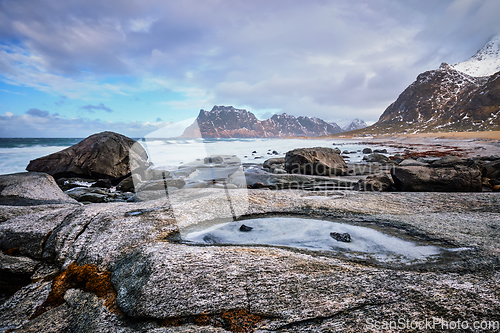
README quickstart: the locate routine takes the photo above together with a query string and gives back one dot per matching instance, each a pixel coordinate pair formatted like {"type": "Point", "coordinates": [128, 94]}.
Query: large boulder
{"type": "Point", "coordinates": [376, 157]}
{"type": "Point", "coordinates": [379, 182]}
{"type": "Point", "coordinates": [492, 169]}
{"type": "Point", "coordinates": [315, 161]}
{"type": "Point", "coordinates": [459, 178]}
{"type": "Point", "coordinates": [103, 155]}
{"type": "Point", "coordinates": [31, 188]}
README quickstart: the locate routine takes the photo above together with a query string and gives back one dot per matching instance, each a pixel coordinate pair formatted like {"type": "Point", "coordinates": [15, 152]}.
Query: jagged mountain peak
{"type": "Point", "coordinates": [485, 62]}
{"type": "Point", "coordinates": [229, 122]}
{"type": "Point", "coordinates": [444, 100]}
{"type": "Point", "coordinates": [355, 125]}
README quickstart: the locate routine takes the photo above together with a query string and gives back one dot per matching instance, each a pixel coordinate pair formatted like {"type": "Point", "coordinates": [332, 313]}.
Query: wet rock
{"type": "Point", "coordinates": [378, 182]}
{"type": "Point", "coordinates": [87, 194]}
{"type": "Point", "coordinates": [156, 185]}
{"type": "Point", "coordinates": [275, 152]}
{"type": "Point", "coordinates": [448, 161]}
{"type": "Point", "coordinates": [337, 151]}
{"type": "Point", "coordinates": [31, 188]}
{"type": "Point", "coordinates": [103, 183]}
{"type": "Point", "coordinates": [437, 179]}
{"type": "Point", "coordinates": [367, 151]}
{"type": "Point", "coordinates": [491, 169]}
{"type": "Point", "coordinates": [315, 161]}
{"type": "Point", "coordinates": [376, 157]}
{"type": "Point", "coordinates": [346, 152]}
{"type": "Point", "coordinates": [93, 198]}
{"type": "Point", "coordinates": [69, 183]}
{"type": "Point", "coordinates": [126, 185]}
{"type": "Point", "coordinates": [412, 162]}
{"type": "Point", "coordinates": [272, 161]}
{"type": "Point", "coordinates": [296, 181]}
{"type": "Point", "coordinates": [245, 228]}
{"type": "Point", "coordinates": [341, 237]}
{"type": "Point", "coordinates": [380, 151]}
{"type": "Point", "coordinates": [257, 185]}
{"type": "Point", "coordinates": [102, 155]}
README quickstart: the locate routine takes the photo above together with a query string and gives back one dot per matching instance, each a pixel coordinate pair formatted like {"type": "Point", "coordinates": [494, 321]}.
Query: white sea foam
{"type": "Point", "coordinates": [177, 152]}
{"type": "Point", "coordinates": [174, 152]}
{"type": "Point", "coordinates": [13, 160]}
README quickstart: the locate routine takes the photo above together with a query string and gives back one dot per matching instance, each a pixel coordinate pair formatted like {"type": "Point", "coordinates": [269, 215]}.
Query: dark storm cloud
{"type": "Point", "coordinates": [92, 108]}
{"type": "Point", "coordinates": [318, 58]}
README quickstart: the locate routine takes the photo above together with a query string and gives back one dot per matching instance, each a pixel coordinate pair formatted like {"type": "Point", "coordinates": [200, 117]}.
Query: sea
{"type": "Point", "coordinates": [16, 153]}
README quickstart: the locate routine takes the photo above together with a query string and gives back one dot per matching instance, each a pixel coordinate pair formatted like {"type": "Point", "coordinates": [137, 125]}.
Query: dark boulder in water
{"type": "Point", "coordinates": [105, 155]}
{"type": "Point", "coordinates": [245, 228]}
{"type": "Point", "coordinates": [341, 237]}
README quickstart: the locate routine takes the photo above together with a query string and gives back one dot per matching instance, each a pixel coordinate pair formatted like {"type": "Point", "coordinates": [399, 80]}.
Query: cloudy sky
{"type": "Point", "coordinates": [73, 68]}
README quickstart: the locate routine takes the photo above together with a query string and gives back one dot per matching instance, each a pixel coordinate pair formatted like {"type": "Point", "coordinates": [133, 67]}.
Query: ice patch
{"type": "Point", "coordinates": [314, 235]}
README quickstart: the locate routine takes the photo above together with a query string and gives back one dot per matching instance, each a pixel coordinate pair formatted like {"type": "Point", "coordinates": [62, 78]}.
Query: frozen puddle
{"type": "Point", "coordinates": [309, 234]}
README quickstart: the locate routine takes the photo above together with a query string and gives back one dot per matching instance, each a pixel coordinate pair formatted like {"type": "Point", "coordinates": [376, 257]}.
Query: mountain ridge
{"type": "Point", "coordinates": [229, 122]}
{"type": "Point", "coordinates": [453, 98]}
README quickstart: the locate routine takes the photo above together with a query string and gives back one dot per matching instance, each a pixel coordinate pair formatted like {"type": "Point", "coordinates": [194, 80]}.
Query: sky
{"type": "Point", "coordinates": [74, 68]}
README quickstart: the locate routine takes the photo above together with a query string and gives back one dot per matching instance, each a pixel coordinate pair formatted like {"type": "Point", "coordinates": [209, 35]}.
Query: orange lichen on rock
{"type": "Point", "coordinates": [240, 320]}
{"type": "Point", "coordinates": [87, 278]}
{"type": "Point", "coordinates": [235, 320]}
{"type": "Point", "coordinates": [12, 252]}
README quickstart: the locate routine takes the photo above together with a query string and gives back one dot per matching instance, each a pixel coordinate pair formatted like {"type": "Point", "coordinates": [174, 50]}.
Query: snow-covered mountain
{"type": "Point", "coordinates": [485, 62]}
{"type": "Point", "coordinates": [444, 100]}
{"type": "Point", "coordinates": [229, 122]}
{"type": "Point", "coordinates": [356, 124]}
{"type": "Point", "coordinates": [463, 97]}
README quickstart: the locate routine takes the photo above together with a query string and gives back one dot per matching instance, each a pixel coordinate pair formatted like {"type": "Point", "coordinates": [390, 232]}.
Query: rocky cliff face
{"type": "Point", "coordinates": [228, 122]}
{"type": "Point", "coordinates": [444, 100]}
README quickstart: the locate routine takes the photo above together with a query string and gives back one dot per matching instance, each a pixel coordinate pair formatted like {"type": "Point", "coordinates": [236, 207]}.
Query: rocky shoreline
{"type": "Point", "coordinates": [125, 266]}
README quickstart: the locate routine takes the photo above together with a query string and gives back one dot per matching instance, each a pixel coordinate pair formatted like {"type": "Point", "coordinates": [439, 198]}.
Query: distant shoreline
{"type": "Point", "coordinates": [484, 135]}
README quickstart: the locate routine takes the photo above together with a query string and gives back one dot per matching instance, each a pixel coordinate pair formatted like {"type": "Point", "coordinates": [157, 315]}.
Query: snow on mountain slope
{"type": "Point", "coordinates": [485, 62]}
{"type": "Point", "coordinates": [355, 125]}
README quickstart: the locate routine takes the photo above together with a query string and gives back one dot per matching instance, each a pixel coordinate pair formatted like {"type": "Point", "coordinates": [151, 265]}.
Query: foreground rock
{"type": "Point", "coordinates": [378, 182]}
{"type": "Point", "coordinates": [315, 161]}
{"type": "Point", "coordinates": [103, 155]}
{"type": "Point", "coordinates": [31, 188]}
{"type": "Point", "coordinates": [459, 178]}
{"type": "Point", "coordinates": [123, 267]}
